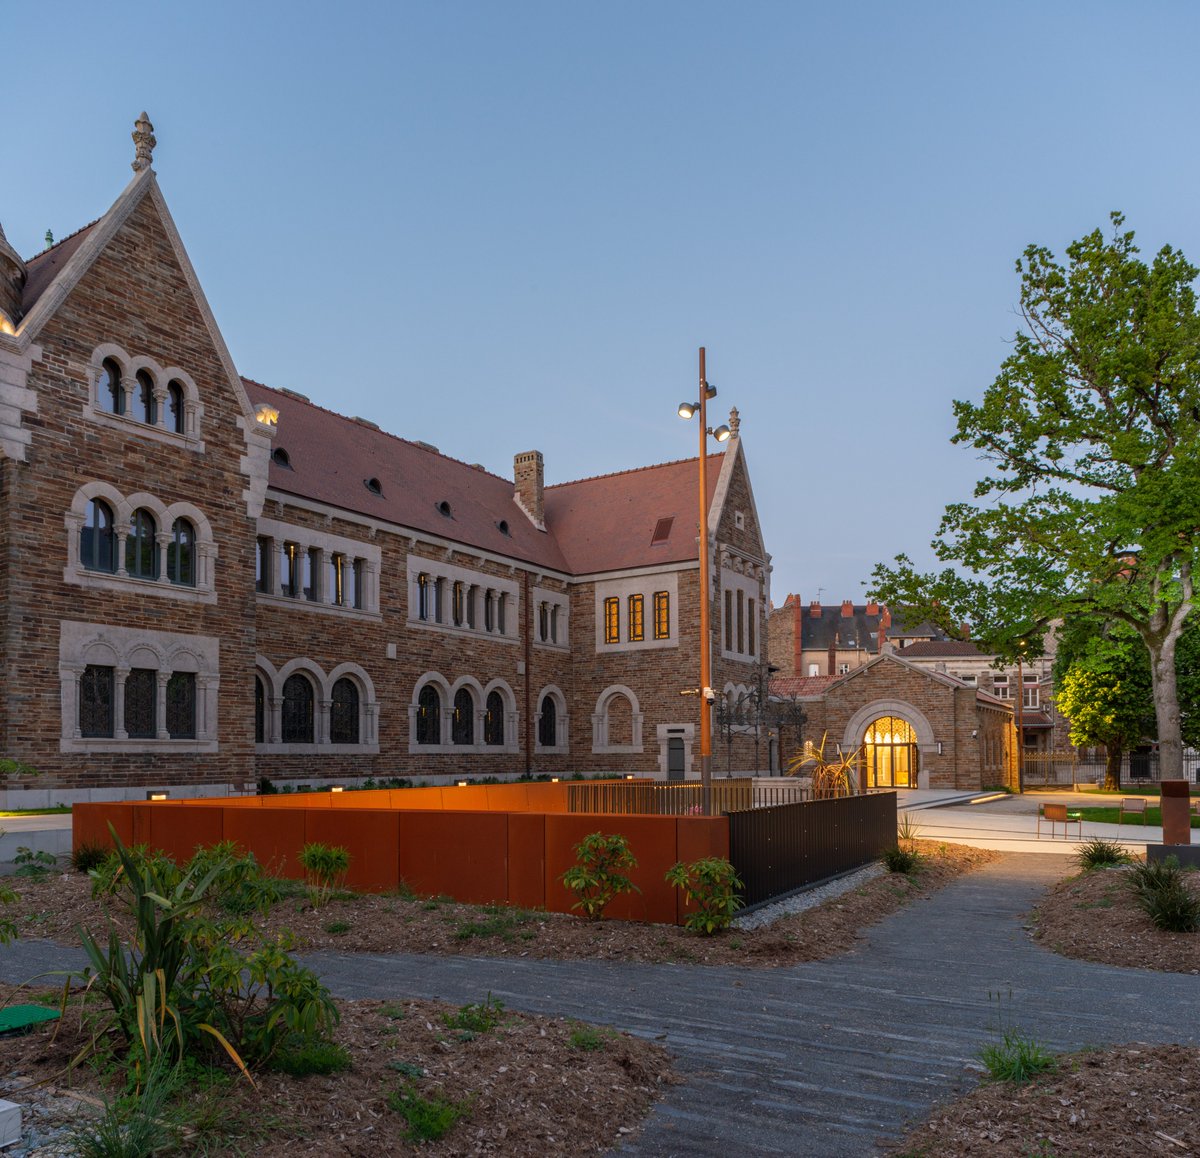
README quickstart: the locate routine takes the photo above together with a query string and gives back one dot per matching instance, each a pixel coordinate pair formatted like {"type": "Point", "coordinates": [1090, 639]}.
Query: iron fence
{"type": "Point", "coordinates": [1044, 769]}
{"type": "Point", "coordinates": [656, 799]}
{"type": "Point", "coordinates": [783, 848]}
{"type": "Point", "coordinates": [781, 792]}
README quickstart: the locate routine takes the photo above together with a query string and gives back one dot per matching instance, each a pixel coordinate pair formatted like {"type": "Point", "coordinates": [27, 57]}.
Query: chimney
{"type": "Point", "coordinates": [847, 609]}
{"type": "Point", "coordinates": [12, 283]}
{"type": "Point", "coordinates": [814, 610]}
{"type": "Point", "coordinates": [872, 608]}
{"type": "Point", "coordinates": [797, 635]}
{"type": "Point", "coordinates": [528, 475]}
{"type": "Point", "coordinates": [833, 659]}
{"type": "Point", "coordinates": [886, 621]}
{"type": "Point", "coordinates": [966, 631]}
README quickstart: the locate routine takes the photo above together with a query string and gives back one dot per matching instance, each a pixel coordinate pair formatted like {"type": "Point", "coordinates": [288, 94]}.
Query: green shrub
{"type": "Point", "coordinates": [587, 1038]}
{"type": "Point", "coordinates": [87, 857]}
{"type": "Point", "coordinates": [325, 867]}
{"type": "Point", "coordinates": [8, 928]}
{"type": "Point", "coordinates": [1153, 875]}
{"type": "Point", "coordinates": [1016, 1058]}
{"type": "Point", "coordinates": [1163, 897]}
{"type": "Point", "coordinates": [1097, 854]}
{"type": "Point", "coordinates": [428, 1118]}
{"type": "Point", "coordinates": [337, 928]}
{"type": "Point", "coordinates": [598, 874]}
{"type": "Point", "coordinates": [33, 864]}
{"type": "Point", "coordinates": [477, 1017]}
{"type": "Point", "coordinates": [900, 860]}
{"type": "Point", "coordinates": [301, 1056]}
{"type": "Point", "coordinates": [712, 885]}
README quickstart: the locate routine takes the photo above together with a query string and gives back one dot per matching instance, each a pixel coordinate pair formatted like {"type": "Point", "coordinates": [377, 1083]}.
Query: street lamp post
{"type": "Point", "coordinates": [707, 695]}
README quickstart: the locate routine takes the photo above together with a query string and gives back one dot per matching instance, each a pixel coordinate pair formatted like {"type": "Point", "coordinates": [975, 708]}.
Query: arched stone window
{"type": "Point", "coordinates": [429, 716]}
{"type": "Point", "coordinates": [297, 724]}
{"type": "Point", "coordinates": [493, 719]}
{"type": "Point", "coordinates": [96, 545]}
{"type": "Point", "coordinates": [174, 416]}
{"type": "Point", "coordinates": [181, 554]}
{"type": "Point", "coordinates": [343, 713]}
{"type": "Point", "coordinates": [617, 721]}
{"type": "Point", "coordinates": [260, 711]}
{"type": "Point", "coordinates": [96, 701]}
{"type": "Point", "coordinates": [890, 753]}
{"type": "Point", "coordinates": [141, 546]}
{"type": "Point", "coordinates": [110, 395]}
{"type": "Point", "coordinates": [462, 726]}
{"type": "Point", "coordinates": [547, 722]}
{"type": "Point", "coordinates": [146, 406]}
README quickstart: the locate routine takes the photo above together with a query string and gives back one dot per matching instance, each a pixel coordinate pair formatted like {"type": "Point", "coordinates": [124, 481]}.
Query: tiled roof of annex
{"type": "Point", "coordinates": [943, 649]}
{"type": "Point", "coordinates": [596, 524]}
{"type": "Point", "coordinates": [799, 687]}
{"type": "Point", "coordinates": [44, 267]}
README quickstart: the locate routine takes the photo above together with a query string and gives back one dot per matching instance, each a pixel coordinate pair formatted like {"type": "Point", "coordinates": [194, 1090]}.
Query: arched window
{"type": "Point", "coordinates": [260, 711]}
{"type": "Point", "coordinates": [547, 723]}
{"type": "Point", "coordinates": [429, 716]}
{"type": "Point", "coordinates": [493, 719]}
{"type": "Point", "coordinates": [147, 406]}
{"type": "Point", "coordinates": [96, 701]}
{"type": "Point", "coordinates": [110, 395]}
{"type": "Point", "coordinates": [297, 710]}
{"type": "Point", "coordinates": [174, 408]}
{"type": "Point", "coordinates": [462, 725]}
{"type": "Point", "coordinates": [181, 705]}
{"type": "Point", "coordinates": [343, 713]}
{"type": "Point", "coordinates": [890, 753]}
{"type": "Point", "coordinates": [141, 704]}
{"type": "Point", "coordinates": [181, 554]}
{"type": "Point", "coordinates": [96, 539]}
{"type": "Point", "coordinates": [141, 549]}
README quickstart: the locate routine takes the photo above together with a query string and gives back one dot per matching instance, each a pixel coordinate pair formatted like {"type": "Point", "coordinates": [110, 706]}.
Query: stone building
{"type": "Point", "coordinates": [207, 580]}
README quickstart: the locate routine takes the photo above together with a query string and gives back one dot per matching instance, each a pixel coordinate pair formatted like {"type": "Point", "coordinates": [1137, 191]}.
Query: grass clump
{"type": "Point", "coordinates": [1163, 897]}
{"type": "Point", "coordinates": [900, 860]}
{"type": "Point", "coordinates": [300, 1056]}
{"type": "Point", "coordinates": [477, 1017]}
{"type": "Point", "coordinates": [428, 1118]}
{"type": "Point", "coordinates": [1016, 1057]}
{"type": "Point", "coordinates": [1098, 854]}
{"type": "Point", "coordinates": [87, 857]}
{"type": "Point", "coordinates": [494, 921]}
{"type": "Point", "coordinates": [338, 928]}
{"type": "Point", "coordinates": [587, 1037]}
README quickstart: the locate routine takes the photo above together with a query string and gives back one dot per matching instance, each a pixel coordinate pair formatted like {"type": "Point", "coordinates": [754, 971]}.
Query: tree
{"type": "Point", "coordinates": [1092, 503]}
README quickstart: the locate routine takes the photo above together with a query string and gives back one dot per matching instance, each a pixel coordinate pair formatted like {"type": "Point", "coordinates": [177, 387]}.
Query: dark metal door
{"type": "Point", "coordinates": [675, 768]}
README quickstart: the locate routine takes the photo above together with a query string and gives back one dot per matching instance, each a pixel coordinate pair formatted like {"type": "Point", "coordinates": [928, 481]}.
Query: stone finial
{"type": "Point", "coordinates": [144, 142]}
{"type": "Point", "coordinates": [734, 422]}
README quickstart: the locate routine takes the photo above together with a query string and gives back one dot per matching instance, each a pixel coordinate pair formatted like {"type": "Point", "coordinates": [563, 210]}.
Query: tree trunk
{"type": "Point", "coordinates": [1166, 706]}
{"type": "Point", "coordinates": [1112, 767]}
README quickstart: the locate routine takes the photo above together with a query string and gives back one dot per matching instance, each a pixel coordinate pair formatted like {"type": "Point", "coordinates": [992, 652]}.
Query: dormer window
{"type": "Point", "coordinates": [662, 531]}
{"type": "Point", "coordinates": [502, 526]}
{"type": "Point", "coordinates": [444, 509]}
{"type": "Point", "coordinates": [373, 485]}
{"type": "Point", "coordinates": [279, 457]}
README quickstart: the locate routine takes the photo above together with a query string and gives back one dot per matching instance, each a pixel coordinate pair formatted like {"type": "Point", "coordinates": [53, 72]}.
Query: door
{"type": "Point", "coordinates": [675, 768]}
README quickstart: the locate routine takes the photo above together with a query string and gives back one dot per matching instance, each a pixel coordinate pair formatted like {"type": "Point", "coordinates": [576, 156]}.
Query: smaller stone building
{"type": "Point", "coordinates": [915, 727]}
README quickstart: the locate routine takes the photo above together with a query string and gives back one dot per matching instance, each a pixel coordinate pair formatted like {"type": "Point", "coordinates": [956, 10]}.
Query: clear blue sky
{"type": "Point", "coordinates": [506, 226]}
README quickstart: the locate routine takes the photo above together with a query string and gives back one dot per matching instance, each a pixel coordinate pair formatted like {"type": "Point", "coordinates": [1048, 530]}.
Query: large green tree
{"type": "Point", "coordinates": [1090, 504]}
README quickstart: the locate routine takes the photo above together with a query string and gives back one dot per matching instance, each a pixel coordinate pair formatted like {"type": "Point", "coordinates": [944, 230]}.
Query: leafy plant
{"type": "Point", "coordinates": [325, 867]}
{"type": "Point", "coordinates": [832, 776]}
{"type": "Point", "coordinates": [900, 860]}
{"type": "Point", "coordinates": [428, 1118]}
{"type": "Point", "coordinates": [87, 857]}
{"type": "Point", "coordinates": [907, 831]}
{"type": "Point", "coordinates": [1017, 1057]}
{"type": "Point", "coordinates": [8, 928]}
{"type": "Point", "coordinates": [587, 1037]}
{"type": "Point", "coordinates": [711, 884]}
{"type": "Point", "coordinates": [477, 1017]}
{"type": "Point", "coordinates": [1098, 853]}
{"type": "Point", "coordinates": [16, 768]}
{"type": "Point", "coordinates": [33, 864]}
{"type": "Point", "coordinates": [598, 874]}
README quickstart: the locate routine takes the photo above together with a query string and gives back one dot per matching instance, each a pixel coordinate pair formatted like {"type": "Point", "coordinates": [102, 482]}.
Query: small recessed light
{"type": "Point", "coordinates": [160, 794]}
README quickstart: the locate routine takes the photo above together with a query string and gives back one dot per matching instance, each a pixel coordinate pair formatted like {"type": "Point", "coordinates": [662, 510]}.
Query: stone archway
{"type": "Point", "coordinates": [921, 739]}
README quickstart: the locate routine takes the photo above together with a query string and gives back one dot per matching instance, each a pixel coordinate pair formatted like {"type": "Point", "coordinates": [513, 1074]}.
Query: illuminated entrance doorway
{"type": "Point", "coordinates": [890, 753]}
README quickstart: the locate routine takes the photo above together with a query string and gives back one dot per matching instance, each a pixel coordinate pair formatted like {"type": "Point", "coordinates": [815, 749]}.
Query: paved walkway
{"type": "Point", "coordinates": [828, 1059]}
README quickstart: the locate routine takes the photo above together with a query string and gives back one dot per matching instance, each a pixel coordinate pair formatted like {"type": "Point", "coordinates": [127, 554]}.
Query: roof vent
{"type": "Point", "coordinates": [294, 394]}
{"type": "Point", "coordinates": [502, 526]}
{"type": "Point", "coordinates": [426, 446]}
{"type": "Point", "coordinates": [662, 531]}
{"type": "Point", "coordinates": [365, 422]}
{"type": "Point", "coordinates": [279, 457]}
{"type": "Point", "coordinates": [444, 509]}
{"type": "Point", "coordinates": [373, 485]}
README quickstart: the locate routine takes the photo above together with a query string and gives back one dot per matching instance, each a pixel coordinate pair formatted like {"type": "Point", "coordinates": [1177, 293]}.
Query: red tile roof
{"type": "Point", "coordinates": [595, 524]}
{"type": "Point", "coordinates": [606, 523]}
{"type": "Point", "coordinates": [941, 649]}
{"type": "Point", "coordinates": [44, 267]}
{"type": "Point", "coordinates": [789, 687]}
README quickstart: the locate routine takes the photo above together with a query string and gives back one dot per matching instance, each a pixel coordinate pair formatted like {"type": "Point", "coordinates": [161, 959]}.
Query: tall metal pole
{"type": "Point", "coordinates": [705, 637]}
{"type": "Point", "coordinates": [1020, 723]}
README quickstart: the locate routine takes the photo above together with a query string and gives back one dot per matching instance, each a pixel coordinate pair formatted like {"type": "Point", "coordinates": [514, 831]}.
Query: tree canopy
{"type": "Point", "coordinates": [1090, 500]}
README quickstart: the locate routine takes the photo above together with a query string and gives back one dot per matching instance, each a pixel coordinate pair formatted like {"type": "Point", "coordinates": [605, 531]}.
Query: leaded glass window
{"type": "Point", "coordinates": [181, 554]}
{"type": "Point", "coordinates": [174, 414]}
{"type": "Point", "coordinates": [462, 724]}
{"type": "Point", "coordinates": [493, 719]}
{"type": "Point", "coordinates": [637, 618]}
{"type": "Point", "coordinates": [260, 711]}
{"type": "Point", "coordinates": [297, 711]}
{"type": "Point", "coordinates": [109, 393]}
{"type": "Point", "coordinates": [343, 713]}
{"type": "Point", "coordinates": [612, 620]}
{"type": "Point", "coordinates": [141, 549]}
{"type": "Point", "coordinates": [96, 701]}
{"type": "Point", "coordinates": [312, 573]}
{"type": "Point", "coordinates": [662, 615]}
{"type": "Point", "coordinates": [96, 549]}
{"type": "Point", "coordinates": [489, 613]}
{"type": "Point", "coordinates": [429, 716]}
{"type": "Point", "coordinates": [147, 406]}
{"type": "Point", "coordinates": [423, 596]}
{"type": "Point", "coordinates": [459, 598]}
{"type": "Point", "coordinates": [543, 621]}
{"type": "Point", "coordinates": [141, 704]}
{"type": "Point", "coordinates": [548, 723]}
{"type": "Point", "coordinates": [181, 706]}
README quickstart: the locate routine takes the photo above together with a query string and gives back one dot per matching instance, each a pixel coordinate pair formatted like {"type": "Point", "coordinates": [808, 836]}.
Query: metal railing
{"type": "Point", "coordinates": [781, 792]}
{"type": "Point", "coordinates": [657, 799]}
{"type": "Point", "coordinates": [1045, 769]}
{"type": "Point", "coordinates": [778, 850]}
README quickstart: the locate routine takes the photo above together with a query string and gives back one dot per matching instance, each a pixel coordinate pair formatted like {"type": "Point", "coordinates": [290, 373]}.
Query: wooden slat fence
{"type": "Point", "coordinates": [653, 799]}
{"type": "Point", "coordinates": [781, 849]}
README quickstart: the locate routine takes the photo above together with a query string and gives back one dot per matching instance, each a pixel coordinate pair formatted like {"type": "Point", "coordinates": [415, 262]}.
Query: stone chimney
{"type": "Point", "coordinates": [814, 610]}
{"type": "Point", "coordinates": [886, 619]}
{"type": "Point", "coordinates": [847, 609]}
{"type": "Point", "coordinates": [12, 283]}
{"type": "Point", "coordinates": [529, 478]}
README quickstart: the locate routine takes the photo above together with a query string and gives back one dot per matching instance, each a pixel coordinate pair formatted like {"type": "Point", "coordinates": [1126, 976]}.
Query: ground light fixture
{"type": "Point", "coordinates": [157, 794]}
{"type": "Point", "coordinates": [688, 410]}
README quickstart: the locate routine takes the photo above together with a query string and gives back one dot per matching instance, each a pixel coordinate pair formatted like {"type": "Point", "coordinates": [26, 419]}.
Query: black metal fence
{"type": "Point", "coordinates": [1044, 769]}
{"type": "Point", "coordinates": [778, 850]}
{"type": "Point", "coordinates": [656, 799]}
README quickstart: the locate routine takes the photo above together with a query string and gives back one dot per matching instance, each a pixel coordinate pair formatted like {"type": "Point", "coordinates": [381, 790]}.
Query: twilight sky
{"type": "Point", "coordinates": [507, 226]}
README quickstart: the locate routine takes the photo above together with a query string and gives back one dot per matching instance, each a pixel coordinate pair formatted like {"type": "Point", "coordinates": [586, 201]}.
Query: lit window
{"type": "Point", "coordinates": [337, 579]}
{"type": "Point", "coordinates": [612, 620]}
{"type": "Point", "coordinates": [141, 547]}
{"type": "Point", "coordinates": [662, 615]}
{"type": "Point", "coordinates": [343, 713]}
{"type": "Point", "coordinates": [637, 618]}
{"type": "Point", "coordinates": [289, 569]}
{"type": "Point", "coordinates": [96, 539]}
{"type": "Point", "coordinates": [181, 554]}
{"type": "Point", "coordinates": [297, 710]}
{"type": "Point", "coordinates": [96, 701]}
{"type": "Point", "coordinates": [422, 596]}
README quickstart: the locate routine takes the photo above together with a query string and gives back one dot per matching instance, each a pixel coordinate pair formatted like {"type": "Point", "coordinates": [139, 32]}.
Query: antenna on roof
{"type": "Point", "coordinates": [49, 238]}
{"type": "Point", "coordinates": [819, 590]}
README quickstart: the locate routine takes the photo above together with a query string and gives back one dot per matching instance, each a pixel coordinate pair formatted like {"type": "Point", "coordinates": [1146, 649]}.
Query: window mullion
{"type": "Point", "coordinates": [120, 675]}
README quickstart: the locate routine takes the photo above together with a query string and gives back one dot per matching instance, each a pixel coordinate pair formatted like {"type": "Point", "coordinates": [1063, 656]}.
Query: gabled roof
{"type": "Point", "coordinates": [801, 687]}
{"type": "Point", "coordinates": [943, 649]}
{"type": "Point", "coordinates": [937, 676]}
{"type": "Point", "coordinates": [595, 524]}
